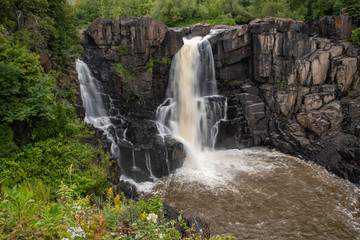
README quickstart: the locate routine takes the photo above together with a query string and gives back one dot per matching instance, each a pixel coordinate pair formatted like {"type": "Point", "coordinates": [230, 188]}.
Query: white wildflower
{"type": "Point", "coordinates": [76, 232]}
{"type": "Point", "coordinates": [152, 217]}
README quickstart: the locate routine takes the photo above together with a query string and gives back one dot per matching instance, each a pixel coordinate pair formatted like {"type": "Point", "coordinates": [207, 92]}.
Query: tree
{"type": "Point", "coordinates": [25, 92]}
{"type": "Point", "coordinates": [86, 11]}
{"type": "Point", "coordinates": [171, 12]}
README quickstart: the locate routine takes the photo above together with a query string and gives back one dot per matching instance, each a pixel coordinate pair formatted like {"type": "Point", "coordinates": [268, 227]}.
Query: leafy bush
{"type": "Point", "coordinates": [155, 62]}
{"type": "Point", "coordinates": [355, 36]}
{"type": "Point", "coordinates": [59, 125]}
{"type": "Point", "coordinates": [172, 12]}
{"type": "Point", "coordinates": [53, 161]}
{"type": "Point", "coordinates": [7, 145]}
{"type": "Point", "coordinates": [25, 92]}
{"type": "Point", "coordinates": [23, 217]}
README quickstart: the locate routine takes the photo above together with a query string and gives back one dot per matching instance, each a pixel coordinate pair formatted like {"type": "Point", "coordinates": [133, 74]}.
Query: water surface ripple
{"type": "Point", "coordinates": [260, 194]}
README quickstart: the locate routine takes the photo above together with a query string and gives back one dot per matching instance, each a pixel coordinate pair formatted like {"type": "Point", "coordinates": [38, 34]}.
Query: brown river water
{"type": "Point", "coordinates": [261, 194]}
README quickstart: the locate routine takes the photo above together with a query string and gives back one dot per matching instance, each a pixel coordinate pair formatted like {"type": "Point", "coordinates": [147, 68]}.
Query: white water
{"type": "Point", "coordinates": [192, 110]}
{"type": "Point", "coordinates": [252, 193]}
{"type": "Point", "coordinates": [92, 98]}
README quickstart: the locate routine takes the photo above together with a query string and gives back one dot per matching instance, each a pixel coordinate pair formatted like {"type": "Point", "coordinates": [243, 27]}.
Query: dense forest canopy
{"type": "Point", "coordinates": [185, 12]}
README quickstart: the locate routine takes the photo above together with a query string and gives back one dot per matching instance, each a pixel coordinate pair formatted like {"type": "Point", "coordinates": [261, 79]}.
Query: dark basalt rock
{"type": "Point", "coordinates": [146, 155]}
{"type": "Point", "coordinates": [196, 224]}
{"type": "Point", "coordinates": [332, 27]}
{"type": "Point", "coordinates": [285, 84]}
{"type": "Point", "coordinates": [290, 96]}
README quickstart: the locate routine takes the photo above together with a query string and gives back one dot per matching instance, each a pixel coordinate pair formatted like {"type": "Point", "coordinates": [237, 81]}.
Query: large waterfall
{"type": "Point", "coordinates": [192, 109]}
{"type": "Point", "coordinates": [253, 193]}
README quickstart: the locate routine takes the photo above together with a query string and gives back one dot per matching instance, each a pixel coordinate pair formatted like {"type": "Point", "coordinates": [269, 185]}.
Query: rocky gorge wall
{"type": "Point", "coordinates": [286, 85]}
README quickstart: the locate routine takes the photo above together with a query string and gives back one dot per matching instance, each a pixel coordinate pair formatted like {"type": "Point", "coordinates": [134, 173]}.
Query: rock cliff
{"type": "Point", "coordinates": [291, 90]}
{"type": "Point", "coordinates": [286, 85]}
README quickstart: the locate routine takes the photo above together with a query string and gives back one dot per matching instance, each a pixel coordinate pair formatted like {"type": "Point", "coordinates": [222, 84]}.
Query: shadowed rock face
{"type": "Point", "coordinates": [286, 85]}
{"type": "Point", "coordinates": [288, 89]}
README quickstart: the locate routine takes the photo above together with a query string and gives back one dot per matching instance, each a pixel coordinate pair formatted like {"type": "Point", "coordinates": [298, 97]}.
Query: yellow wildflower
{"type": "Point", "coordinates": [143, 215]}
{"type": "Point", "coordinates": [117, 199]}
{"type": "Point", "coordinates": [110, 193]}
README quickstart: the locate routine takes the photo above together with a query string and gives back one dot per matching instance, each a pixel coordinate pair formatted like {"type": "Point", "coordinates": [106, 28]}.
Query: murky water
{"type": "Point", "coordinates": [260, 194]}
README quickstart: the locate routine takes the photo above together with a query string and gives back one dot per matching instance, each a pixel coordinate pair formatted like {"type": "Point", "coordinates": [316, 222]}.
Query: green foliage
{"type": "Point", "coordinates": [152, 205]}
{"type": "Point", "coordinates": [86, 11]}
{"type": "Point", "coordinates": [23, 217]}
{"type": "Point", "coordinates": [353, 9]}
{"type": "Point", "coordinates": [355, 36]}
{"type": "Point", "coordinates": [125, 73]}
{"type": "Point", "coordinates": [121, 50]}
{"type": "Point", "coordinates": [19, 203]}
{"type": "Point", "coordinates": [48, 25]}
{"type": "Point", "coordinates": [216, 9]}
{"type": "Point", "coordinates": [59, 125]}
{"type": "Point", "coordinates": [53, 161]}
{"type": "Point", "coordinates": [172, 12]}
{"type": "Point", "coordinates": [25, 92]}
{"type": "Point", "coordinates": [155, 62]}
{"type": "Point", "coordinates": [321, 8]}
{"type": "Point", "coordinates": [7, 145]}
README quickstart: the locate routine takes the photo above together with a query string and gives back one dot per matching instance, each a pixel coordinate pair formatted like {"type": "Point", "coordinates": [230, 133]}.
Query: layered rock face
{"type": "Point", "coordinates": [131, 58]}
{"type": "Point", "coordinates": [290, 90]}
{"type": "Point", "coordinates": [286, 87]}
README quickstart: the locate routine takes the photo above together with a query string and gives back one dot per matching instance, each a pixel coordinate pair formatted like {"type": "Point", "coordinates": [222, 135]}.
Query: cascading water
{"type": "Point", "coordinates": [252, 193]}
{"type": "Point", "coordinates": [192, 110]}
{"type": "Point", "coordinates": [92, 98]}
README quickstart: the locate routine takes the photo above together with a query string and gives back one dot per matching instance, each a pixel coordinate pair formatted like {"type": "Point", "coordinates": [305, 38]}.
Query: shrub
{"type": "Point", "coordinates": [53, 161]}
{"type": "Point", "coordinates": [355, 36]}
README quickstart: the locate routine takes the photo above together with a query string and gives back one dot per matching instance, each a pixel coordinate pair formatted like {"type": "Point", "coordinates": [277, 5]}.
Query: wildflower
{"type": "Point", "coordinates": [143, 215]}
{"type": "Point", "coordinates": [117, 199]}
{"type": "Point", "coordinates": [121, 209]}
{"type": "Point", "coordinates": [110, 193]}
{"type": "Point", "coordinates": [117, 207]}
{"type": "Point", "coordinates": [76, 232]}
{"type": "Point", "coordinates": [87, 197]}
{"type": "Point", "coordinates": [152, 217]}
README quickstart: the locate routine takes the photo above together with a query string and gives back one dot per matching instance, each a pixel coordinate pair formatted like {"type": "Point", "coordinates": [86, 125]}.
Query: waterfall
{"type": "Point", "coordinates": [193, 109]}
{"type": "Point", "coordinates": [92, 98]}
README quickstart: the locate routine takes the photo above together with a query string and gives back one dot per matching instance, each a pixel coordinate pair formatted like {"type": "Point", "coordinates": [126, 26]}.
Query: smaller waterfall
{"type": "Point", "coordinates": [95, 111]}
{"type": "Point", "coordinates": [91, 97]}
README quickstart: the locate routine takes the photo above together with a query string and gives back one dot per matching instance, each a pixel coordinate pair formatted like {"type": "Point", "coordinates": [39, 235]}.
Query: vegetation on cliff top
{"type": "Point", "coordinates": [187, 12]}
{"type": "Point", "coordinates": [215, 12]}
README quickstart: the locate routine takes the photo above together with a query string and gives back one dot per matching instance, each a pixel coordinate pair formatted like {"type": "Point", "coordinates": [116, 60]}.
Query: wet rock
{"type": "Point", "coordinates": [341, 156]}
{"type": "Point", "coordinates": [282, 78]}
{"type": "Point", "coordinates": [129, 190]}
{"type": "Point", "coordinates": [196, 223]}
{"type": "Point", "coordinates": [132, 43]}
